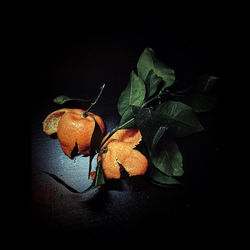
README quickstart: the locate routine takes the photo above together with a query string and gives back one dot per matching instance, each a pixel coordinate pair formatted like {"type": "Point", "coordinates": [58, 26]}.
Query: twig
{"type": "Point", "coordinates": [93, 103]}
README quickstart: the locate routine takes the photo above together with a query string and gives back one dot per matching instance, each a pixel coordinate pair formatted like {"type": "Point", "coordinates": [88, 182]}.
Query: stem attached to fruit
{"type": "Point", "coordinates": [93, 103]}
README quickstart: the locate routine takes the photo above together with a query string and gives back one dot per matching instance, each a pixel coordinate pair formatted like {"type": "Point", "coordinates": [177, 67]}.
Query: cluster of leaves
{"type": "Point", "coordinates": [148, 104]}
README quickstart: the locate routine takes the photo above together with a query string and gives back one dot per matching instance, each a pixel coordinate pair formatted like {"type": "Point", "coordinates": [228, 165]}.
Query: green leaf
{"type": "Point", "coordinates": [208, 83]}
{"type": "Point", "coordinates": [95, 142]}
{"type": "Point", "coordinates": [159, 133]}
{"type": "Point", "coordinates": [179, 117]}
{"type": "Point", "coordinates": [152, 81]}
{"type": "Point", "coordinates": [144, 121]}
{"type": "Point", "coordinates": [99, 178]}
{"type": "Point", "coordinates": [204, 96]}
{"type": "Point", "coordinates": [151, 132]}
{"type": "Point", "coordinates": [158, 177]}
{"type": "Point", "coordinates": [148, 62]}
{"type": "Point", "coordinates": [72, 102]}
{"type": "Point", "coordinates": [133, 94]}
{"type": "Point", "coordinates": [128, 115]}
{"type": "Point", "coordinates": [61, 99]}
{"type": "Point", "coordinates": [167, 158]}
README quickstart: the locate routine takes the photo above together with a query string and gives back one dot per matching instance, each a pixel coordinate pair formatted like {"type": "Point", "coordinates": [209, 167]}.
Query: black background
{"type": "Point", "coordinates": [75, 54]}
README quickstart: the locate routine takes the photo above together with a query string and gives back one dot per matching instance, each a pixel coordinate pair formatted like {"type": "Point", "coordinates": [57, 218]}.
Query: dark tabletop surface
{"type": "Point", "coordinates": [75, 59]}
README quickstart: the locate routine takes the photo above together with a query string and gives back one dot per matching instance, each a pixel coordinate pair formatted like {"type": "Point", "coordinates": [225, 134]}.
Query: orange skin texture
{"type": "Point", "coordinates": [74, 129]}
{"type": "Point", "coordinates": [121, 152]}
{"type": "Point", "coordinates": [131, 136]}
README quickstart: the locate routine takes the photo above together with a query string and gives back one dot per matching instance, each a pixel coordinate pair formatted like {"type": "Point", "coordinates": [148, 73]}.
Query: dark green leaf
{"type": "Point", "coordinates": [144, 121]}
{"type": "Point", "coordinates": [167, 158]}
{"type": "Point", "coordinates": [152, 81]}
{"type": "Point", "coordinates": [158, 177]}
{"type": "Point", "coordinates": [148, 62]}
{"type": "Point", "coordinates": [95, 142]}
{"type": "Point", "coordinates": [99, 178]}
{"type": "Point", "coordinates": [159, 133]}
{"type": "Point", "coordinates": [150, 130]}
{"type": "Point", "coordinates": [133, 94]}
{"type": "Point", "coordinates": [72, 102]}
{"type": "Point", "coordinates": [128, 115]}
{"type": "Point", "coordinates": [208, 83]}
{"type": "Point", "coordinates": [179, 117]}
{"type": "Point", "coordinates": [204, 96]}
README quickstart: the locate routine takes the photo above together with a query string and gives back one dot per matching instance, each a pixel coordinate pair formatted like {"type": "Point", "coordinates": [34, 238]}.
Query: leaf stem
{"type": "Point", "coordinates": [114, 130]}
{"type": "Point", "coordinates": [150, 100]}
{"type": "Point", "coordinates": [154, 98]}
{"type": "Point", "coordinates": [93, 103]}
{"type": "Point", "coordinates": [159, 95]}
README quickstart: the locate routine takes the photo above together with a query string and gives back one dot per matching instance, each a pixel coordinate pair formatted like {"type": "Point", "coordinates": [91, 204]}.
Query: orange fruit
{"type": "Point", "coordinates": [73, 130]}
{"type": "Point", "coordinates": [121, 152]}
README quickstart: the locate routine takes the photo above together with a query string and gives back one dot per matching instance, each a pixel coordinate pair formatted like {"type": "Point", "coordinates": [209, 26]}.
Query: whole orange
{"type": "Point", "coordinates": [73, 130]}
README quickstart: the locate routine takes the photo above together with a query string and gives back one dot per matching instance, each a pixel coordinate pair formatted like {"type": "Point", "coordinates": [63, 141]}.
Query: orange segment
{"type": "Point", "coordinates": [50, 123]}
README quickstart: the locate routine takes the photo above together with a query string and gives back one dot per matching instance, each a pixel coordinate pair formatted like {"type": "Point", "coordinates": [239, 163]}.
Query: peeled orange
{"type": "Point", "coordinates": [121, 152]}
{"type": "Point", "coordinates": [73, 130]}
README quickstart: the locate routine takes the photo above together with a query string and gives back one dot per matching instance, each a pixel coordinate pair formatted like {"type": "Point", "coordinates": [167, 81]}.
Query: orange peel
{"type": "Point", "coordinates": [131, 136]}
{"type": "Point", "coordinates": [120, 151]}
